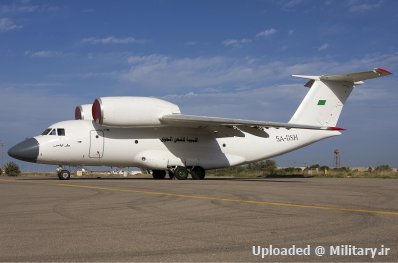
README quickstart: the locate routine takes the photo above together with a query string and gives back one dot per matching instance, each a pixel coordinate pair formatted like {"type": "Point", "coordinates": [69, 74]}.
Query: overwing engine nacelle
{"type": "Point", "coordinates": [83, 112]}
{"type": "Point", "coordinates": [131, 111]}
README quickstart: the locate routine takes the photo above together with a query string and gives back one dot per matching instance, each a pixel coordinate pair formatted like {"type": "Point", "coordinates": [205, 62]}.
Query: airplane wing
{"type": "Point", "coordinates": [225, 127]}
{"type": "Point", "coordinates": [235, 127]}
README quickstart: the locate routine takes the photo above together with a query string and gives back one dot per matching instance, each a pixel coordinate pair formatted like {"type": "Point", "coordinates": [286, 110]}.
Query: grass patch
{"type": "Point", "coordinates": [246, 172]}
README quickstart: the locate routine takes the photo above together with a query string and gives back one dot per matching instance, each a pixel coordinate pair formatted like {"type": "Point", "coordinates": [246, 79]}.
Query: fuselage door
{"type": "Point", "coordinates": [96, 144]}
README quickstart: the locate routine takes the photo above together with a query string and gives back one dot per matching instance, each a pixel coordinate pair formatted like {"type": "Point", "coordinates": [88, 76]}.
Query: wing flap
{"type": "Point", "coordinates": [254, 130]}
{"type": "Point", "coordinates": [225, 131]}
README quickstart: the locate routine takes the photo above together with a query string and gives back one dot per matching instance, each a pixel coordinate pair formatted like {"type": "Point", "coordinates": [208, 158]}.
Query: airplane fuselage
{"type": "Point", "coordinates": [89, 144]}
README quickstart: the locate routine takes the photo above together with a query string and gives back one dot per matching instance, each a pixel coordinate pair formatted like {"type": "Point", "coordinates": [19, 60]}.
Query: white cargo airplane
{"type": "Point", "coordinates": [153, 134]}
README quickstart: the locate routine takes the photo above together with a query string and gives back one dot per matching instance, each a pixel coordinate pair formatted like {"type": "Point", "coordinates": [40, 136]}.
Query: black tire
{"type": "Point", "coordinates": [158, 174]}
{"type": "Point", "coordinates": [198, 173]}
{"type": "Point", "coordinates": [64, 175]}
{"type": "Point", "coordinates": [181, 173]}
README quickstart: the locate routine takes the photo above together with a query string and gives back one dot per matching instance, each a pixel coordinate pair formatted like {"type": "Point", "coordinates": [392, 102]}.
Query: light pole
{"type": "Point", "coordinates": [1, 153]}
{"type": "Point", "coordinates": [337, 158]}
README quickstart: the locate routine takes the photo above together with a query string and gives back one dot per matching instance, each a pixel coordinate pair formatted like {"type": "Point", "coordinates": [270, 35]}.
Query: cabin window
{"type": "Point", "coordinates": [61, 132]}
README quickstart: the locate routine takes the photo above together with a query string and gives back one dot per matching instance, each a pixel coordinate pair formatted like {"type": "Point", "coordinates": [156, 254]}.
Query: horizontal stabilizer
{"type": "Point", "coordinates": [349, 77]}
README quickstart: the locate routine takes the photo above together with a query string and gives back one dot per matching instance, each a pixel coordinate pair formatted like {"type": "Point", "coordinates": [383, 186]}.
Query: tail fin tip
{"type": "Point", "coordinates": [383, 71]}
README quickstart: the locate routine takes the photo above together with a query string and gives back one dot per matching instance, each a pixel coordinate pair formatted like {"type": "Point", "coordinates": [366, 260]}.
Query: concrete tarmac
{"type": "Point", "coordinates": [140, 219]}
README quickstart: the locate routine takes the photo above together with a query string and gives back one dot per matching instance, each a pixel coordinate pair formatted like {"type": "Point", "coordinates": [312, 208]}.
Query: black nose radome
{"type": "Point", "coordinates": [27, 150]}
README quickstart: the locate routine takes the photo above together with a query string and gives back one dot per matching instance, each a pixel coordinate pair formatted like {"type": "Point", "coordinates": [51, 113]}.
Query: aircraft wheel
{"type": "Point", "coordinates": [64, 175]}
{"type": "Point", "coordinates": [198, 173]}
{"type": "Point", "coordinates": [158, 174]}
{"type": "Point", "coordinates": [181, 173]}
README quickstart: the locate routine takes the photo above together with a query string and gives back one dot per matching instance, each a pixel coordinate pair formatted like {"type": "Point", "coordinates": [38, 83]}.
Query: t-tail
{"type": "Point", "coordinates": [325, 100]}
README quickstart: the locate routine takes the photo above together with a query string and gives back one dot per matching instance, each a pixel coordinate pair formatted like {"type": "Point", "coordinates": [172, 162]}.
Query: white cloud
{"type": "Point", "coordinates": [323, 47]}
{"type": "Point", "coordinates": [17, 9]}
{"type": "Point", "coordinates": [37, 103]}
{"type": "Point", "coordinates": [45, 54]}
{"type": "Point", "coordinates": [265, 103]}
{"type": "Point", "coordinates": [8, 25]}
{"type": "Point", "coordinates": [24, 7]}
{"type": "Point", "coordinates": [236, 42]}
{"type": "Point", "coordinates": [363, 5]}
{"type": "Point", "coordinates": [159, 73]}
{"type": "Point", "coordinates": [112, 40]}
{"type": "Point", "coordinates": [149, 59]}
{"type": "Point", "coordinates": [290, 3]}
{"type": "Point", "coordinates": [266, 32]}
{"type": "Point", "coordinates": [372, 94]}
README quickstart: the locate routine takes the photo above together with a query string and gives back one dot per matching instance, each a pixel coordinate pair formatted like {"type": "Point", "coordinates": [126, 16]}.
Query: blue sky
{"type": "Point", "coordinates": [218, 58]}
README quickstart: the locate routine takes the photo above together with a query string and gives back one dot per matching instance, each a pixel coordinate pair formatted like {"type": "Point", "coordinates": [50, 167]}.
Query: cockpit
{"type": "Point", "coordinates": [54, 131]}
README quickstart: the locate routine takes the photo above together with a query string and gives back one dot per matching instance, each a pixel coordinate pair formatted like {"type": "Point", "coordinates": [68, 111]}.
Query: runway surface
{"type": "Point", "coordinates": [45, 219]}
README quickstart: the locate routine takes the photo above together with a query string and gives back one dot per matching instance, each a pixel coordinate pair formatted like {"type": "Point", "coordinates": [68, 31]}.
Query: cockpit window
{"type": "Point", "coordinates": [50, 131]}
{"type": "Point", "coordinates": [61, 132]}
{"type": "Point", "coordinates": [46, 132]}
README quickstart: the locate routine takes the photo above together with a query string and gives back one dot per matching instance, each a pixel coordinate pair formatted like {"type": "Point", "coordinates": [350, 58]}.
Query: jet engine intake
{"type": "Point", "coordinates": [83, 112]}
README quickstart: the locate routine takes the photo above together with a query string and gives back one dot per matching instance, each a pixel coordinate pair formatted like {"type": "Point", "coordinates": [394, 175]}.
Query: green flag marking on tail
{"type": "Point", "coordinates": [321, 102]}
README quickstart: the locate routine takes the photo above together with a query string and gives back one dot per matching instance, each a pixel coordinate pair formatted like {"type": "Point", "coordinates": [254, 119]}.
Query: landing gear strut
{"type": "Point", "coordinates": [171, 174]}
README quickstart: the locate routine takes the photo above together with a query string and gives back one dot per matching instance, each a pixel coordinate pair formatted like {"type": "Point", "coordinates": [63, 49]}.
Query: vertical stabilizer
{"type": "Point", "coordinates": [325, 100]}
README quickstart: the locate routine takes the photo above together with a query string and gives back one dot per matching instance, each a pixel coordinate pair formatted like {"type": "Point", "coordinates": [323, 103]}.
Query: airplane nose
{"type": "Point", "coordinates": [27, 150]}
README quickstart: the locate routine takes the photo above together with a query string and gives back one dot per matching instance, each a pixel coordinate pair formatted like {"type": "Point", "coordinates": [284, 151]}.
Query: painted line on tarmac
{"type": "Point", "coordinates": [212, 198]}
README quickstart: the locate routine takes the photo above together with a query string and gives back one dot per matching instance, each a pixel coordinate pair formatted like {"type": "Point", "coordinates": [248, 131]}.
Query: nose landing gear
{"type": "Point", "coordinates": [63, 174]}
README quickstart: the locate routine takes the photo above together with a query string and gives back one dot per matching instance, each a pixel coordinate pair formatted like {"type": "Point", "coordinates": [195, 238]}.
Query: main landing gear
{"type": "Point", "coordinates": [198, 173]}
{"type": "Point", "coordinates": [63, 174]}
{"type": "Point", "coordinates": [181, 173]}
{"type": "Point", "coordinates": [158, 174]}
